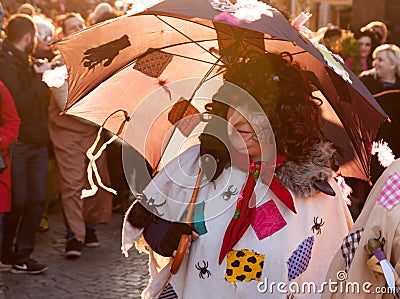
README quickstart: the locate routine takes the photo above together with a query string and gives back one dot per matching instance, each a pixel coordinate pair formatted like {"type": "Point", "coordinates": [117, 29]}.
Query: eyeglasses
{"type": "Point", "coordinates": [47, 38]}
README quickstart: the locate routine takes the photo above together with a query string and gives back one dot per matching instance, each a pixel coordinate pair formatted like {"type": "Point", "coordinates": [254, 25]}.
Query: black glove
{"type": "Point", "coordinates": [163, 236]}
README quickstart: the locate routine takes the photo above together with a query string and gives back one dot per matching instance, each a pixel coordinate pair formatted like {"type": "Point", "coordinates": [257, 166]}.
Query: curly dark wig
{"type": "Point", "coordinates": [283, 92]}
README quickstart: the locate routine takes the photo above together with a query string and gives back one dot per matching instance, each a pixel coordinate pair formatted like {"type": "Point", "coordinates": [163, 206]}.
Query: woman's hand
{"type": "Point", "coordinates": [193, 237]}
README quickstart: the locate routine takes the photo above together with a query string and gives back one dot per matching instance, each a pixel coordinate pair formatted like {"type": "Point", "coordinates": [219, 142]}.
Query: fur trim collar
{"type": "Point", "coordinates": [299, 177]}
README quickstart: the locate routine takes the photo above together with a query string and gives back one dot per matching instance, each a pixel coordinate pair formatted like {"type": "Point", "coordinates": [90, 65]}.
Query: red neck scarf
{"type": "Point", "coordinates": [245, 206]}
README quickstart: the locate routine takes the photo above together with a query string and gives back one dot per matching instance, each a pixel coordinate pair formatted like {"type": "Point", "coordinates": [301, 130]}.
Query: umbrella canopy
{"type": "Point", "coordinates": [115, 65]}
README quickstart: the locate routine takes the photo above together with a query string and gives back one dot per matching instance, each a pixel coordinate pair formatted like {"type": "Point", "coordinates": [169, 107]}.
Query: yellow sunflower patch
{"type": "Point", "coordinates": [244, 265]}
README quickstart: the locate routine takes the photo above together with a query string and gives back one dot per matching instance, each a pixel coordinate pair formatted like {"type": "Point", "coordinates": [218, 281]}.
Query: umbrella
{"type": "Point", "coordinates": [114, 65]}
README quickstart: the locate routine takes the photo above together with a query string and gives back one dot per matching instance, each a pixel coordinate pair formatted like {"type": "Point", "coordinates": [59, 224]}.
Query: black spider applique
{"type": "Point", "coordinates": [317, 225]}
{"type": "Point", "coordinates": [203, 270]}
{"type": "Point", "coordinates": [150, 205]}
{"type": "Point", "coordinates": [228, 193]}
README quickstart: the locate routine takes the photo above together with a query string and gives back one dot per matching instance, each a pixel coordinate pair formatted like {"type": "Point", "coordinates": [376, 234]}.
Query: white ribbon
{"type": "Point", "coordinates": [92, 167]}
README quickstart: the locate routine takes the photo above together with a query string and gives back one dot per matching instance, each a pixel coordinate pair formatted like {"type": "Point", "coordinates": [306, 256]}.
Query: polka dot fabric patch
{"type": "Point", "coordinates": [267, 220]}
{"type": "Point", "coordinates": [300, 258]}
{"type": "Point", "coordinates": [244, 265]}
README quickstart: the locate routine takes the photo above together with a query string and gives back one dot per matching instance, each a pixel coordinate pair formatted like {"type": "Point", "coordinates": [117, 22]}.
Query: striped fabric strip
{"type": "Point", "coordinates": [168, 293]}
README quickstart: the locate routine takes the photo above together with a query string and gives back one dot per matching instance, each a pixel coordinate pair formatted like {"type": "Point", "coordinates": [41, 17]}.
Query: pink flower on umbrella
{"type": "Point", "coordinates": [244, 10]}
{"type": "Point", "coordinates": [226, 16]}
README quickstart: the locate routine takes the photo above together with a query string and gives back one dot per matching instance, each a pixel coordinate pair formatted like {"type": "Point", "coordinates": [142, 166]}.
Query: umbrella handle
{"type": "Point", "coordinates": [180, 254]}
{"type": "Point", "coordinates": [185, 241]}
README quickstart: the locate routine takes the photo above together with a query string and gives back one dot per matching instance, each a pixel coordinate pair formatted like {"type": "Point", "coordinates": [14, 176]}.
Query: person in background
{"type": "Point", "coordinates": [9, 126]}
{"type": "Point", "coordinates": [367, 41]}
{"type": "Point", "coordinates": [379, 28]}
{"type": "Point", "coordinates": [383, 81]}
{"type": "Point", "coordinates": [42, 54]}
{"type": "Point", "coordinates": [45, 34]}
{"type": "Point", "coordinates": [71, 138]}
{"type": "Point", "coordinates": [102, 12]}
{"type": "Point", "coordinates": [2, 21]}
{"type": "Point", "coordinates": [29, 152]}
{"type": "Point", "coordinates": [2, 17]}
{"type": "Point", "coordinates": [27, 9]}
{"type": "Point", "coordinates": [331, 38]}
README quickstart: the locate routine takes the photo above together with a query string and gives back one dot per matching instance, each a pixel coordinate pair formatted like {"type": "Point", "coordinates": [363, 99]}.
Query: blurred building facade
{"type": "Point", "coordinates": [387, 11]}
{"type": "Point", "coordinates": [336, 12]}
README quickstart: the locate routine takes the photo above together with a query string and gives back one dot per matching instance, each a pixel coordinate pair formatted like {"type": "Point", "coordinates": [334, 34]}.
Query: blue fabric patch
{"type": "Point", "coordinates": [198, 218]}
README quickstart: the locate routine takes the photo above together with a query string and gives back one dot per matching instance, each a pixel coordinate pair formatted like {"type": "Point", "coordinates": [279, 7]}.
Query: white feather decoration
{"type": "Point", "coordinates": [384, 153]}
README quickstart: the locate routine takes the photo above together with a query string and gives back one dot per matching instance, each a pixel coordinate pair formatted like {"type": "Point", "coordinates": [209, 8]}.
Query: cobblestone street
{"type": "Point", "coordinates": [101, 272]}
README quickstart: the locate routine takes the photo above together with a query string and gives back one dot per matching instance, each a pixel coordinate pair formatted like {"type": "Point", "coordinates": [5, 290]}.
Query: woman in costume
{"type": "Point", "coordinates": [369, 258]}
{"type": "Point", "coordinates": [260, 218]}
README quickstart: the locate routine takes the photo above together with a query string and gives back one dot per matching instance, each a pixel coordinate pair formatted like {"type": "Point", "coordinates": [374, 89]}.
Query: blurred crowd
{"type": "Point", "coordinates": [49, 150]}
{"type": "Point", "coordinates": [53, 8]}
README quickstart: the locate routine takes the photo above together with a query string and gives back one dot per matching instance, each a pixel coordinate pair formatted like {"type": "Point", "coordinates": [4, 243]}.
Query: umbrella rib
{"type": "Point", "coordinates": [192, 58]}
{"type": "Point", "coordinates": [232, 33]}
{"type": "Point", "coordinates": [179, 17]}
{"type": "Point", "coordinates": [167, 47]}
{"type": "Point", "coordinates": [191, 42]}
{"type": "Point", "coordinates": [178, 55]}
{"type": "Point", "coordinates": [180, 32]}
{"type": "Point", "coordinates": [196, 42]}
{"type": "Point", "coordinates": [214, 39]}
{"type": "Point", "coordinates": [216, 74]}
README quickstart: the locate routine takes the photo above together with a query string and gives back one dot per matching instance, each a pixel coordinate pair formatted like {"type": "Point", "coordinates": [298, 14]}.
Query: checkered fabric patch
{"type": "Point", "coordinates": [168, 293]}
{"type": "Point", "coordinates": [350, 245]}
{"type": "Point", "coordinates": [185, 115]}
{"type": "Point", "coordinates": [153, 63]}
{"type": "Point", "coordinates": [390, 194]}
